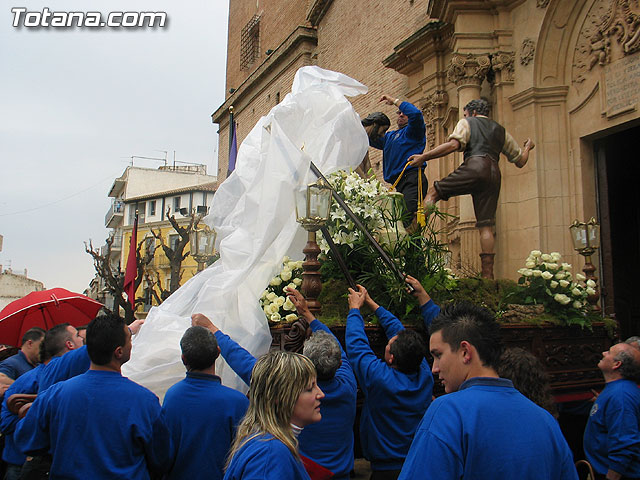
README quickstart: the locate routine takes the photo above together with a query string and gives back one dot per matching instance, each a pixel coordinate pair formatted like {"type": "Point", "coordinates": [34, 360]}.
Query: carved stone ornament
{"type": "Point", "coordinates": [502, 62]}
{"type": "Point", "coordinates": [611, 29]}
{"type": "Point", "coordinates": [527, 51]}
{"type": "Point", "coordinates": [542, 3]}
{"type": "Point", "coordinates": [468, 69]}
{"type": "Point", "coordinates": [432, 112]}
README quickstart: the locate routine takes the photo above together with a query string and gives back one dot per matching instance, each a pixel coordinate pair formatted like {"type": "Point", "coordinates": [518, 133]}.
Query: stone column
{"type": "Point", "coordinates": [467, 72]}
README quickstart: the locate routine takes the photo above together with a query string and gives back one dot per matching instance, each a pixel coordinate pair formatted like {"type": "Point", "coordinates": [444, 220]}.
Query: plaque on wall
{"type": "Point", "coordinates": [622, 85]}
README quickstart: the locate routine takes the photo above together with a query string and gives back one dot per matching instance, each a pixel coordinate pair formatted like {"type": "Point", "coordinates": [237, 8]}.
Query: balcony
{"type": "Point", "coordinates": [114, 215]}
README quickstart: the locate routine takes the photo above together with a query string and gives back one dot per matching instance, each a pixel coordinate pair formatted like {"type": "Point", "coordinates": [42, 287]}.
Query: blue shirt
{"type": "Point", "coordinates": [399, 145]}
{"type": "Point", "coordinates": [98, 425]}
{"type": "Point", "coordinates": [68, 365]}
{"type": "Point", "coordinates": [487, 429]}
{"type": "Point", "coordinates": [265, 458]}
{"type": "Point", "coordinates": [27, 383]}
{"type": "Point", "coordinates": [612, 436]}
{"type": "Point", "coordinates": [328, 442]}
{"type": "Point", "coordinates": [202, 415]}
{"type": "Point", "coordinates": [15, 365]}
{"type": "Point", "coordinates": [394, 402]}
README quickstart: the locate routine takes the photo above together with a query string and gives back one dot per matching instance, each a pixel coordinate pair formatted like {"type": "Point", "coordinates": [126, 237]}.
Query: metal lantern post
{"type": "Point", "coordinates": [586, 240]}
{"type": "Point", "coordinates": [202, 242]}
{"type": "Point", "coordinates": [312, 211]}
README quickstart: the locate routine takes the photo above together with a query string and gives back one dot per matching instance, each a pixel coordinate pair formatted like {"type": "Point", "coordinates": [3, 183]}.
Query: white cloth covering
{"type": "Point", "coordinates": [253, 212]}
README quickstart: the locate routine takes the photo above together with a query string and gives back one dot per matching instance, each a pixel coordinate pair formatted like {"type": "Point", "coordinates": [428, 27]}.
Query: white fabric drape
{"type": "Point", "coordinates": [253, 212]}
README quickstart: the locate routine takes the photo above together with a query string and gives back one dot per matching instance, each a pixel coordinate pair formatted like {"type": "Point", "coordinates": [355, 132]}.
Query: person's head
{"type": "Point", "coordinates": [283, 391]}
{"type": "Point", "coordinates": [633, 341]}
{"type": "Point", "coordinates": [82, 332]}
{"type": "Point", "coordinates": [621, 361]}
{"type": "Point", "coordinates": [405, 351]}
{"type": "Point", "coordinates": [59, 340]}
{"type": "Point", "coordinates": [199, 348]}
{"type": "Point", "coordinates": [476, 107]}
{"type": "Point", "coordinates": [379, 124]}
{"type": "Point", "coordinates": [108, 340]}
{"type": "Point", "coordinates": [324, 351]}
{"type": "Point", "coordinates": [465, 339]}
{"type": "Point", "coordinates": [528, 375]}
{"type": "Point", "coordinates": [31, 344]}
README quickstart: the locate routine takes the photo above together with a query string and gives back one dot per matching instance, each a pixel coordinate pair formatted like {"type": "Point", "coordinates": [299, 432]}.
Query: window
{"type": "Point", "coordinates": [173, 241]}
{"type": "Point", "coordinates": [176, 204]}
{"type": "Point", "coordinates": [152, 208]}
{"type": "Point", "coordinates": [149, 244]}
{"type": "Point", "coordinates": [250, 43]}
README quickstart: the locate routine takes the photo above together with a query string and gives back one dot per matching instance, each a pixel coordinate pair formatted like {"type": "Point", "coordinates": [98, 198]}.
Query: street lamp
{"type": "Point", "coordinates": [202, 242]}
{"type": "Point", "coordinates": [313, 205]}
{"type": "Point", "coordinates": [586, 240]}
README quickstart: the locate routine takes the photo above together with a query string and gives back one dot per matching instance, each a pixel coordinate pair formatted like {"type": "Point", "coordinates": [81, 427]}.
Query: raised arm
{"type": "Point", "coordinates": [428, 309]}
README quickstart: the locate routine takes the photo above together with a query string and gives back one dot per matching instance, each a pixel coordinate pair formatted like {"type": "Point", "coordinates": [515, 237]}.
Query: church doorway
{"type": "Point", "coordinates": [617, 159]}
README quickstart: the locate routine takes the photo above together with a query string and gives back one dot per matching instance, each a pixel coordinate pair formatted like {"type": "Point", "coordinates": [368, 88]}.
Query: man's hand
{"type": "Point", "coordinates": [300, 303]}
{"type": "Point", "coordinates": [135, 326]}
{"type": "Point", "coordinates": [418, 290]}
{"type": "Point", "coordinates": [3, 388]}
{"type": "Point", "coordinates": [529, 145]}
{"type": "Point", "coordinates": [388, 100]}
{"type": "Point", "coordinates": [200, 320]}
{"type": "Point", "coordinates": [417, 160]}
{"type": "Point", "coordinates": [357, 298]}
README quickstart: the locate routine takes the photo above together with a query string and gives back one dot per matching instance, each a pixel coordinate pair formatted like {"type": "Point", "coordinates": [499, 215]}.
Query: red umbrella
{"type": "Point", "coordinates": [45, 309]}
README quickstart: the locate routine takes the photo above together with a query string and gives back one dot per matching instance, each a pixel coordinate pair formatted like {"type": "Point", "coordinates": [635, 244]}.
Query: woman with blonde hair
{"type": "Point", "coordinates": [283, 399]}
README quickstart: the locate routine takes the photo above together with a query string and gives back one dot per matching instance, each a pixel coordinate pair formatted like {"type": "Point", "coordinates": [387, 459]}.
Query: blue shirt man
{"type": "Point", "coordinates": [612, 436]}
{"type": "Point", "coordinates": [26, 359]}
{"type": "Point", "coordinates": [202, 414]}
{"type": "Point", "coordinates": [99, 425]}
{"type": "Point", "coordinates": [484, 428]}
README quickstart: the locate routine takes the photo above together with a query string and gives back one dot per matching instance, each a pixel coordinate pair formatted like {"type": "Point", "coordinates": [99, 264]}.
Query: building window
{"type": "Point", "coordinates": [132, 212]}
{"type": "Point", "coordinates": [173, 241]}
{"type": "Point", "coordinates": [176, 204]}
{"type": "Point", "coordinates": [149, 244]}
{"type": "Point", "coordinates": [152, 208]}
{"type": "Point", "coordinates": [250, 43]}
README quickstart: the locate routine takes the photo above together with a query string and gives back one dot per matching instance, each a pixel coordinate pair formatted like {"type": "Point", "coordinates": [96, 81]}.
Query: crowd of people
{"type": "Point", "coordinates": [87, 421]}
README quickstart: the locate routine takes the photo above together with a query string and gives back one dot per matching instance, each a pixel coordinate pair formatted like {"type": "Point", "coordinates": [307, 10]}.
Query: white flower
{"type": "Point", "coordinates": [590, 291]}
{"type": "Point", "coordinates": [576, 291]}
{"type": "Point", "coordinates": [292, 286]}
{"type": "Point", "coordinates": [285, 259]}
{"type": "Point", "coordinates": [291, 317]}
{"type": "Point", "coordinates": [299, 264]}
{"type": "Point", "coordinates": [551, 266]}
{"type": "Point", "coordinates": [563, 283]}
{"type": "Point", "coordinates": [530, 264]}
{"type": "Point", "coordinates": [275, 317]}
{"type": "Point", "coordinates": [288, 305]}
{"type": "Point", "coordinates": [264, 294]}
{"type": "Point", "coordinates": [545, 257]}
{"type": "Point", "coordinates": [280, 301]}
{"type": "Point", "coordinates": [297, 281]}
{"type": "Point", "coordinates": [537, 273]}
{"type": "Point", "coordinates": [560, 275]}
{"type": "Point", "coordinates": [547, 275]}
{"type": "Point", "coordinates": [271, 296]}
{"type": "Point", "coordinates": [577, 304]}
{"type": "Point", "coordinates": [273, 308]}
{"type": "Point", "coordinates": [522, 270]}
{"type": "Point", "coordinates": [267, 310]}
{"type": "Point", "coordinates": [580, 277]}
{"type": "Point", "coordinates": [561, 298]}
{"type": "Point", "coordinates": [275, 281]}
{"type": "Point", "coordinates": [555, 256]}
{"type": "Point", "coordinates": [528, 272]}
{"type": "Point", "coordinates": [553, 284]}
{"type": "Point", "coordinates": [535, 253]}
{"type": "Point", "coordinates": [566, 267]}
{"type": "Point", "coordinates": [591, 283]}
{"type": "Point", "coordinates": [286, 275]}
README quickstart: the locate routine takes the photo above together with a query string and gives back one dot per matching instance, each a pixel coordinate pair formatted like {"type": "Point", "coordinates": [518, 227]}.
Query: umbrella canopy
{"type": "Point", "coordinates": [45, 309]}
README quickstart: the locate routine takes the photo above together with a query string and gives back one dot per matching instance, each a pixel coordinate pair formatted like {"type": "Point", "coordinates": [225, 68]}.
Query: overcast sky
{"type": "Point", "coordinates": [78, 103]}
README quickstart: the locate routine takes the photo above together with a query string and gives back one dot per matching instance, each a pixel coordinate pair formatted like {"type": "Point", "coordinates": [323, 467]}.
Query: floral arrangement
{"type": "Point", "coordinates": [274, 302]}
{"type": "Point", "coordinates": [547, 280]}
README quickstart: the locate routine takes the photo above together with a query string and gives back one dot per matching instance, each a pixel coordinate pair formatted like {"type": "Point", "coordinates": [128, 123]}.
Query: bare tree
{"type": "Point", "coordinates": [113, 275]}
{"type": "Point", "coordinates": [176, 255]}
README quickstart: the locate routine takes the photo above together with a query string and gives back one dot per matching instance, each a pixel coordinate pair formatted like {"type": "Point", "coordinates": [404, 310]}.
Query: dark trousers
{"type": "Point", "coordinates": [384, 475]}
{"type": "Point", "coordinates": [408, 187]}
{"type": "Point", "coordinates": [36, 468]}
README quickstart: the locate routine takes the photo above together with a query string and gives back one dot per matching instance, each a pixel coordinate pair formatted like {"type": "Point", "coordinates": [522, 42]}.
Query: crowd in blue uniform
{"type": "Point", "coordinates": [88, 421]}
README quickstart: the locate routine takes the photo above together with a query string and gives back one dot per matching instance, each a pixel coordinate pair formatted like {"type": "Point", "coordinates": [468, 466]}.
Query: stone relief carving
{"type": "Point", "coordinates": [432, 111]}
{"type": "Point", "coordinates": [468, 68]}
{"type": "Point", "coordinates": [527, 51]}
{"type": "Point", "coordinates": [611, 30]}
{"type": "Point", "coordinates": [502, 63]}
{"type": "Point", "coordinates": [542, 3]}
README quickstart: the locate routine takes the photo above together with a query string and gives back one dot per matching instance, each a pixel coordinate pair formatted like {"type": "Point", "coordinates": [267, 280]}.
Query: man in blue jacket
{"type": "Point", "coordinates": [612, 436]}
{"type": "Point", "coordinates": [202, 414]}
{"type": "Point", "coordinates": [398, 146]}
{"type": "Point", "coordinates": [99, 424]}
{"type": "Point", "coordinates": [484, 428]}
{"type": "Point", "coordinates": [397, 390]}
